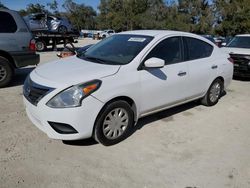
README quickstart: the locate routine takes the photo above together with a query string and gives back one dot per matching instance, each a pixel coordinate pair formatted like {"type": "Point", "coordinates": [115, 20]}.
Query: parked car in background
{"type": "Point", "coordinates": [209, 37]}
{"type": "Point", "coordinates": [219, 41]}
{"type": "Point", "coordinates": [41, 21]}
{"type": "Point", "coordinates": [103, 92]}
{"type": "Point", "coordinates": [17, 46]}
{"type": "Point", "coordinates": [226, 41]}
{"type": "Point", "coordinates": [239, 50]}
{"type": "Point", "coordinates": [106, 33]}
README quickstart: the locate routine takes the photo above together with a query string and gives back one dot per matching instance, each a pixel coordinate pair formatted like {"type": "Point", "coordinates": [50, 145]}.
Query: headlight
{"type": "Point", "coordinates": [73, 96]}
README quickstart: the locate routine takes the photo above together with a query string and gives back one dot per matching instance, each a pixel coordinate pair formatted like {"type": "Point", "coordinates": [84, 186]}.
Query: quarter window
{"type": "Point", "coordinates": [168, 50]}
{"type": "Point", "coordinates": [196, 49]}
{"type": "Point", "coordinates": [8, 24]}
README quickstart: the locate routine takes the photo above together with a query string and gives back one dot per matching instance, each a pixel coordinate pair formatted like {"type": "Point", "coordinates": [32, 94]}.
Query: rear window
{"type": "Point", "coordinates": [196, 49]}
{"type": "Point", "coordinates": [7, 23]}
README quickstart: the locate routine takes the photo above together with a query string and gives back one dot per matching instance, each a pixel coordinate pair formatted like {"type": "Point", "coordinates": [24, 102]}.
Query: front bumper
{"type": "Point", "coordinates": [82, 118]}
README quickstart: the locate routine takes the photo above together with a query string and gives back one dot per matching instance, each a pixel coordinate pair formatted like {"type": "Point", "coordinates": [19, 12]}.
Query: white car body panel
{"type": "Point", "coordinates": [70, 71]}
{"type": "Point", "coordinates": [151, 90]}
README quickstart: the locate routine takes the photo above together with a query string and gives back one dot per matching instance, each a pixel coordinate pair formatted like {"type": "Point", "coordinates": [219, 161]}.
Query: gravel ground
{"type": "Point", "coordinates": [190, 146]}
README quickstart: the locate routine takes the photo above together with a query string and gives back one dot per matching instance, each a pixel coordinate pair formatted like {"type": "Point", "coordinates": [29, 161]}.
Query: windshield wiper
{"type": "Point", "coordinates": [98, 60]}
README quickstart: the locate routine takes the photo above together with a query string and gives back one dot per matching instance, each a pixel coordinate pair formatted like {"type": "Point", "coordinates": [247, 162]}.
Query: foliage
{"type": "Point", "coordinates": [80, 15]}
{"type": "Point", "coordinates": [2, 6]}
{"type": "Point", "coordinates": [222, 17]}
{"type": "Point", "coordinates": [233, 17]}
{"type": "Point", "coordinates": [33, 8]}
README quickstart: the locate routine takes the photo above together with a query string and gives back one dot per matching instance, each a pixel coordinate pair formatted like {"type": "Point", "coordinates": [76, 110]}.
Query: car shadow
{"type": "Point", "coordinates": [166, 114]}
{"type": "Point", "coordinates": [20, 76]}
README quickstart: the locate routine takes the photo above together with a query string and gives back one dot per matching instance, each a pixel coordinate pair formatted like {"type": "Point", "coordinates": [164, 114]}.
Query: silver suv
{"type": "Point", "coordinates": [17, 46]}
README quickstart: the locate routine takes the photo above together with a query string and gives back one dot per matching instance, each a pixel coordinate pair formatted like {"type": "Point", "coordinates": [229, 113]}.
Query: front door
{"type": "Point", "coordinates": [161, 87]}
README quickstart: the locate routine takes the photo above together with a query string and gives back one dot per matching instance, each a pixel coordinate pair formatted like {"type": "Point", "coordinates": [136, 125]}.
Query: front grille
{"type": "Point", "coordinates": [34, 92]}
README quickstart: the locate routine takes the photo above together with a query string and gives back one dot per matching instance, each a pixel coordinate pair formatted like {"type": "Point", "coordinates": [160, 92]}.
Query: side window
{"type": "Point", "coordinates": [196, 49]}
{"type": "Point", "coordinates": [168, 50]}
{"type": "Point", "coordinates": [7, 22]}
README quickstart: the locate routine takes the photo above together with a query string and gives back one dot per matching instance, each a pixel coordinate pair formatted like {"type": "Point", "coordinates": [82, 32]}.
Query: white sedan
{"type": "Point", "coordinates": [103, 92]}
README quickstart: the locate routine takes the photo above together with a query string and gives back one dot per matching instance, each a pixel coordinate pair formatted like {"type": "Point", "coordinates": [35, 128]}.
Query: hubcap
{"type": "Point", "coordinates": [115, 123]}
{"type": "Point", "coordinates": [3, 73]}
{"type": "Point", "coordinates": [215, 92]}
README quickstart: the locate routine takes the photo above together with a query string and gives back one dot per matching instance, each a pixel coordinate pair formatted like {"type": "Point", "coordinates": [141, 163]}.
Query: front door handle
{"type": "Point", "coordinates": [182, 73]}
{"type": "Point", "coordinates": [214, 67]}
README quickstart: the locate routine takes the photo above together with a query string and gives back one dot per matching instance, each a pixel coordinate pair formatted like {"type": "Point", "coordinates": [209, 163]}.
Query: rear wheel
{"type": "Point", "coordinates": [40, 46]}
{"type": "Point", "coordinates": [213, 94]}
{"type": "Point", "coordinates": [6, 72]}
{"type": "Point", "coordinates": [114, 123]}
{"type": "Point", "coordinates": [62, 29]}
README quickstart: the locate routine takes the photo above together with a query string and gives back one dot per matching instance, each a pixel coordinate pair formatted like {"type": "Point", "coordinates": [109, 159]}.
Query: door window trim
{"type": "Point", "coordinates": [186, 49]}
{"type": "Point", "coordinates": [143, 59]}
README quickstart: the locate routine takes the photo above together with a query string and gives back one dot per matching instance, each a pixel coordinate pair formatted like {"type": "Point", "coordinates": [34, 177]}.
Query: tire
{"type": "Point", "coordinates": [107, 130]}
{"type": "Point", "coordinates": [6, 72]}
{"type": "Point", "coordinates": [104, 36]}
{"type": "Point", "coordinates": [40, 46]}
{"type": "Point", "coordinates": [213, 94]}
{"type": "Point", "coordinates": [62, 29]}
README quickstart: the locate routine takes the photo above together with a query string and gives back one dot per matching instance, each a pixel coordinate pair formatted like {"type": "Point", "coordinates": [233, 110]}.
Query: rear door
{"type": "Point", "coordinates": [202, 67]}
{"type": "Point", "coordinates": [161, 87]}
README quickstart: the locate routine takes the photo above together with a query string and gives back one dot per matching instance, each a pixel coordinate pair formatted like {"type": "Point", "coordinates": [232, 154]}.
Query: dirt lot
{"type": "Point", "coordinates": [188, 146]}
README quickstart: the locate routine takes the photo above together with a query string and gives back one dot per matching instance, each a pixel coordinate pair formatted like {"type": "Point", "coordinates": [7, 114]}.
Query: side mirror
{"type": "Point", "coordinates": [154, 63]}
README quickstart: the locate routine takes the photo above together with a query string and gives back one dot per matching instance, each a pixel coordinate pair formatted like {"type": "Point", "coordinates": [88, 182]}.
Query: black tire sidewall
{"type": "Point", "coordinates": [44, 46]}
{"type": "Point", "coordinates": [98, 132]}
{"type": "Point", "coordinates": [65, 29]}
{"type": "Point", "coordinates": [10, 72]}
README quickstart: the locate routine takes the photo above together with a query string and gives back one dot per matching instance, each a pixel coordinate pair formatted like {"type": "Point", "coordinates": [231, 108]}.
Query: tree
{"type": "Point", "coordinates": [2, 5]}
{"type": "Point", "coordinates": [131, 14]}
{"type": "Point", "coordinates": [80, 15]}
{"type": "Point", "coordinates": [233, 17]}
{"type": "Point", "coordinates": [54, 7]}
{"type": "Point", "coordinates": [33, 8]}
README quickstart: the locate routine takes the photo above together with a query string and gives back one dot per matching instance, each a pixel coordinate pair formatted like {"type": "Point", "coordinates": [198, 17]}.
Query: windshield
{"type": "Point", "coordinates": [117, 49]}
{"type": "Point", "coordinates": [239, 42]}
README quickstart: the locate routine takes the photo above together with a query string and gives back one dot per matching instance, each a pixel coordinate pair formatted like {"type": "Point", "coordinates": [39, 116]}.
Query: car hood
{"type": "Point", "coordinates": [73, 70]}
{"type": "Point", "coordinates": [243, 51]}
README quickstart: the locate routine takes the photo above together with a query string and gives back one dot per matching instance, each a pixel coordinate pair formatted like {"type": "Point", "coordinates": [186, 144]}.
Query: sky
{"type": "Point", "coordinates": [21, 4]}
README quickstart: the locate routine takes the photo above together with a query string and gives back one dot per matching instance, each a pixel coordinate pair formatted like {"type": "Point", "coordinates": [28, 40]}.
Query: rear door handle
{"type": "Point", "coordinates": [181, 73]}
{"type": "Point", "coordinates": [214, 67]}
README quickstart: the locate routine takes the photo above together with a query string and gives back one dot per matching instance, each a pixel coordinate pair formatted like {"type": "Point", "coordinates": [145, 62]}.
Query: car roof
{"type": "Point", "coordinates": [243, 35]}
{"type": "Point", "coordinates": [163, 33]}
{"type": "Point", "coordinates": [154, 33]}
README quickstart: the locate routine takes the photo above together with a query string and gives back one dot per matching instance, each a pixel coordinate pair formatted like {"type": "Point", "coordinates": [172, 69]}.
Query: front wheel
{"type": "Point", "coordinates": [6, 72]}
{"type": "Point", "coordinates": [114, 123]}
{"type": "Point", "coordinates": [213, 94]}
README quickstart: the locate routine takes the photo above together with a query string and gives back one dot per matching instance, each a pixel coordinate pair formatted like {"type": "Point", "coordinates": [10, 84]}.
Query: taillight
{"type": "Point", "coordinates": [230, 60]}
{"type": "Point", "coordinates": [32, 45]}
